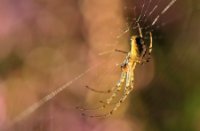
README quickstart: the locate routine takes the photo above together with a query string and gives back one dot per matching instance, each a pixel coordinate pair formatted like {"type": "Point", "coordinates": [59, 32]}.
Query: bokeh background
{"type": "Point", "coordinates": [45, 43]}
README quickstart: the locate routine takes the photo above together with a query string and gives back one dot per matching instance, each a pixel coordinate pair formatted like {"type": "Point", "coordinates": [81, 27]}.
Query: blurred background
{"type": "Point", "coordinates": [46, 43]}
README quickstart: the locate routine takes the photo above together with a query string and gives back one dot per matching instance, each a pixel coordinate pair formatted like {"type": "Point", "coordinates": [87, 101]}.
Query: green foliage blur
{"type": "Point", "coordinates": [172, 103]}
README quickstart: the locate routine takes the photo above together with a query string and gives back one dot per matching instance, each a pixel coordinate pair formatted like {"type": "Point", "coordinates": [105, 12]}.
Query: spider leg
{"type": "Point", "coordinates": [140, 30]}
{"type": "Point", "coordinates": [124, 76]}
{"type": "Point", "coordinates": [110, 51]}
{"type": "Point", "coordinates": [132, 76]}
{"type": "Point", "coordinates": [92, 109]}
{"type": "Point", "coordinates": [151, 43]}
{"type": "Point", "coordinates": [118, 86]}
{"type": "Point", "coordinates": [150, 47]}
{"type": "Point", "coordinates": [128, 88]}
{"type": "Point", "coordinates": [114, 109]}
{"type": "Point", "coordinates": [108, 101]}
{"type": "Point", "coordinates": [121, 51]}
{"type": "Point", "coordinates": [126, 93]}
{"type": "Point", "coordinates": [123, 66]}
{"type": "Point", "coordinates": [142, 61]}
{"type": "Point", "coordinates": [129, 76]}
{"type": "Point", "coordinates": [99, 91]}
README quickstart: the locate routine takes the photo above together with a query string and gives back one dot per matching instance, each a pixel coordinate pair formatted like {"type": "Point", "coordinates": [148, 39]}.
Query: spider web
{"type": "Point", "coordinates": [151, 14]}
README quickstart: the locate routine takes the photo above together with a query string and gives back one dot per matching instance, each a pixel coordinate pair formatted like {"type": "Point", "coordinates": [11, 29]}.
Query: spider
{"type": "Point", "coordinates": [135, 56]}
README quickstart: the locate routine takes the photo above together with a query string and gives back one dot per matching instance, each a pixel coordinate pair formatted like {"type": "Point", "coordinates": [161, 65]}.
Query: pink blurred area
{"type": "Point", "coordinates": [10, 19]}
{"type": "Point", "coordinates": [3, 114]}
{"type": "Point", "coordinates": [44, 44]}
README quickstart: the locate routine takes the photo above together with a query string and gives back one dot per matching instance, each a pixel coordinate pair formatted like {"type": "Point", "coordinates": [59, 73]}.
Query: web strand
{"type": "Point", "coordinates": [152, 11]}
{"type": "Point", "coordinates": [159, 15]}
{"type": "Point", "coordinates": [147, 9]}
{"type": "Point", "coordinates": [48, 97]}
{"type": "Point", "coordinates": [139, 17]}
